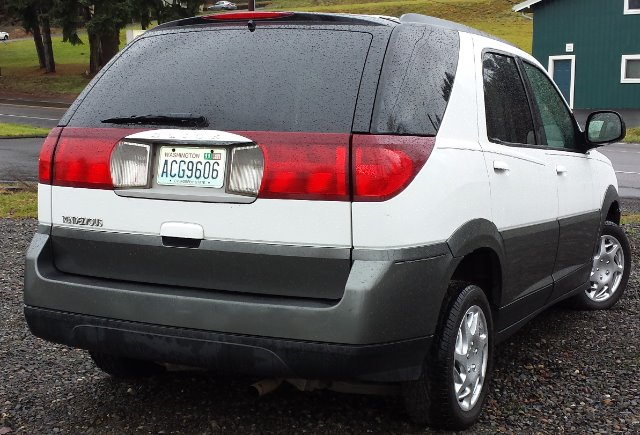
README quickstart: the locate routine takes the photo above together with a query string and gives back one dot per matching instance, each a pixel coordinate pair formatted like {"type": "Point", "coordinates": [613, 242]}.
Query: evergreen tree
{"type": "Point", "coordinates": [35, 18]}
{"type": "Point", "coordinates": [104, 19]}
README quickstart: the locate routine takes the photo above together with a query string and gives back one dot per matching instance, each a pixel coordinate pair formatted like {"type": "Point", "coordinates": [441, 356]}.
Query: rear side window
{"type": "Point", "coordinates": [267, 80]}
{"type": "Point", "coordinates": [506, 106]}
{"type": "Point", "coordinates": [416, 81]}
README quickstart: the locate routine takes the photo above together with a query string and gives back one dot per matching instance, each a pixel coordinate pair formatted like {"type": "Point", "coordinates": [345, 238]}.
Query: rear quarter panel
{"type": "Point", "coordinates": [450, 190]}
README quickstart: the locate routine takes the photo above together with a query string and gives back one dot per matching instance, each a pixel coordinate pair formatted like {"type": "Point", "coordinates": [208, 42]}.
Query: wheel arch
{"type": "Point", "coordinates": [479, 249]}
{"type": "Point", "coordinates": [610, 207]}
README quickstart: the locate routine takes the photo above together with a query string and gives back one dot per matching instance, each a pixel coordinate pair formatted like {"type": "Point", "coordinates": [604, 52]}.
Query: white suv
{"type": "Point", "coordinates": [372, 199]}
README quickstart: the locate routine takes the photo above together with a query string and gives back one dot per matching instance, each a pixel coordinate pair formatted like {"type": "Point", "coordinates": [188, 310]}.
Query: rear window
{"type": "Point", "coordinates": [267, 80]}
{"type": "Point", "coordinates": [416, 80]}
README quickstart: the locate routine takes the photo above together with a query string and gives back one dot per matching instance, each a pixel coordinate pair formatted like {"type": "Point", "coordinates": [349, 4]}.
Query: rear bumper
{"type": "Point", "coordinates": [257, 356]}
{"type": "Point", "coordinates": [379, 330]}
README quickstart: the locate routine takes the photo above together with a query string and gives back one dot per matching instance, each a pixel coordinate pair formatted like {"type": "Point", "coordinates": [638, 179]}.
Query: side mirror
{"type": "Point", "coordinates": [604, 127]}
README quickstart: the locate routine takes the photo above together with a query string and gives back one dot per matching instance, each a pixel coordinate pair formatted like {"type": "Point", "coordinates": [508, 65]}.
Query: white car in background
{"type": "Point", "coordinates": [222, 6]}
{"type": "Point", "coordinates": [4, 36]}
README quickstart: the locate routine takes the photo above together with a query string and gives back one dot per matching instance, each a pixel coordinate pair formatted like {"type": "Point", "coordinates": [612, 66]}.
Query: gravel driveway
{"type": "Point", "coordinates": [565, 371]}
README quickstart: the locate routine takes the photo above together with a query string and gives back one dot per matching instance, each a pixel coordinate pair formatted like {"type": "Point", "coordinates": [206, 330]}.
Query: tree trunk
{"type": "Point", "coordinates": [110, 43]}
{"type": "Point", "coordinates": [37, 39]}
{"type": "Point", "coordinates": [144, 19]}
{"type": "Point", "coordinates": [95, 53]}
{"type": "Point", "coordinates": [159, 10]}
{"type": "Point", "coordinates": [45, 27]}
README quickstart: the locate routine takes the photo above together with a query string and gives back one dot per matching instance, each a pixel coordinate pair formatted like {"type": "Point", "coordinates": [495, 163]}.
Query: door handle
{"type": "Point", "coordinates": [561, 170]}
{"type": "Point", "coordinates": [500, 166]}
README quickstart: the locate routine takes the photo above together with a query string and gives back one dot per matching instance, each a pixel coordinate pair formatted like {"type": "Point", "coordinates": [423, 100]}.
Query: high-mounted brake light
{"type": "Point", "coordinates": [248, 15]}
{"type": "Point", "coordinates": [45, 161]}
{"type": "Point", "coordinates": [383, 166]}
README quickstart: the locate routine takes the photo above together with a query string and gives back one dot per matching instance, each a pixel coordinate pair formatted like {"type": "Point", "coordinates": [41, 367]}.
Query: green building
{"type": "Point", "coordinates": [591, 48]}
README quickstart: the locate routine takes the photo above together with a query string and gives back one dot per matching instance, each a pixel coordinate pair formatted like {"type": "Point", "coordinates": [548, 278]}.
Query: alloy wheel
{"type": "Point", "coordinates": [607, 270]}
{"type": "Point", "coordinates": [470, 358]}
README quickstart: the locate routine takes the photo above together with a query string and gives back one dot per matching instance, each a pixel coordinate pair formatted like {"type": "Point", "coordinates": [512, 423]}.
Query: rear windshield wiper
{"type": "Point", "coordinates": [176, 119]}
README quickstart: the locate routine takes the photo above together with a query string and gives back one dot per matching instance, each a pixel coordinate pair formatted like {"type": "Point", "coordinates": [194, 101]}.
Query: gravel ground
{"type": "Point", "coordinates": [567, 371]}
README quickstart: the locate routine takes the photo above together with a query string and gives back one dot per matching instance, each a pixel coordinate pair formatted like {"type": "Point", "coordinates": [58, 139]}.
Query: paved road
{"type": "Point", "coordinates": [626, 161]}
{"type": "Point", "coordinates": [19, 159]}
{"type": "Point", "coordinates": [31, 115]}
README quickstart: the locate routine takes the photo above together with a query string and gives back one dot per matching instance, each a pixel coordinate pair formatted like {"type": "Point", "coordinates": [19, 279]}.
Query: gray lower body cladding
{"type": "Point", "coordinates": [383, 322]}
{"type": "Point", "coordinates": [229, 353]}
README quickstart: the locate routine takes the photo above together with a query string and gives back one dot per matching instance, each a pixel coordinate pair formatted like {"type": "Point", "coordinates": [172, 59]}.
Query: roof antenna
{"type": "Point", "coordinates": [252, 26]}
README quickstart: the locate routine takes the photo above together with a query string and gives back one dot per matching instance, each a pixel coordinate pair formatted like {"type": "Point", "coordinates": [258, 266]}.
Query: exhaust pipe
{"type": "Point", "coordinates": [267, 386]}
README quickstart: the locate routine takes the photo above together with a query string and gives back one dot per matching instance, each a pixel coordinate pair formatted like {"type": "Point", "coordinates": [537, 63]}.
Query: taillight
{"type": "Point", "coordinates": [383, 166]}
{"type": "Point", "coordinates": [247, 15]}
{"type": "Point", "coordinates": [308, 166]}
{"type": "Point", "coordinates": [45, 160]}
{"type": "Point", "coordinates": [83, 156]}
{"type": "Point", "coordinates": [130, 164]}
{"type": "Point", "coordinates": [313, 166]}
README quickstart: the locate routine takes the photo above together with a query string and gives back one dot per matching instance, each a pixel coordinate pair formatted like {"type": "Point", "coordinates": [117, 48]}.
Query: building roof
{"type": "Point", "coordinates": [525, 6]}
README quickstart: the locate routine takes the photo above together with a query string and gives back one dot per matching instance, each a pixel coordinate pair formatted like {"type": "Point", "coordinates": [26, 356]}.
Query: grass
{"type": "Point", "coordinates": [633, 135]}
{"type": "Point", "coordinates": [491, 16]}
{"type": "Point", "coordinates": [18, 204]}
{"type": "Point", "coordinates": [20, 71]}
{"type": "Point", "coordinates": [630, 219]}
{"type": "Point", "coordinates": [19, 130]}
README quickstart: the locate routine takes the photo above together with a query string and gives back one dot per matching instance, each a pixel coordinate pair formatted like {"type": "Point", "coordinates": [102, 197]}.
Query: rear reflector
{"type": "Point", "coordinates": [311, 166]}
{"type": "Point", "coordinates": [383, 166]}
{"type": "Point", "coordinates": [130, 164]}
{"type": "Point", "coordinates": [45, 161]}
{"type": "Point", "coordinates": [83, 156]}
{"type": "Point", "coordinates": [246, 16]}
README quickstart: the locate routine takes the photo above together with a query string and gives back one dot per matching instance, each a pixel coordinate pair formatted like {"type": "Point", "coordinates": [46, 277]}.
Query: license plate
{"type": "Point", "coordinates": [191, 166]}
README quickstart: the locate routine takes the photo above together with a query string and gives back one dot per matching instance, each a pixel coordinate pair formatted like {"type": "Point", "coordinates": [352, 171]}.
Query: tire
{"type": "Point", "coordinates": [125, 368]}
{"type": "Point", "coordinates": [433, 399]}
{"type": "Point", "coordinates": [609, 272]}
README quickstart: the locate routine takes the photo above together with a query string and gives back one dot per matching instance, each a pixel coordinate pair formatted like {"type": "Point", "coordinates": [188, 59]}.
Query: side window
{"type": "Point", "coordinates": [630, 68]}
{"type": "Point", "coordinates": [631, 7]}
{"type": "Point", "coordinates": [507, 108]}
{"type": "Point", "coordinates": [557, 122]}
